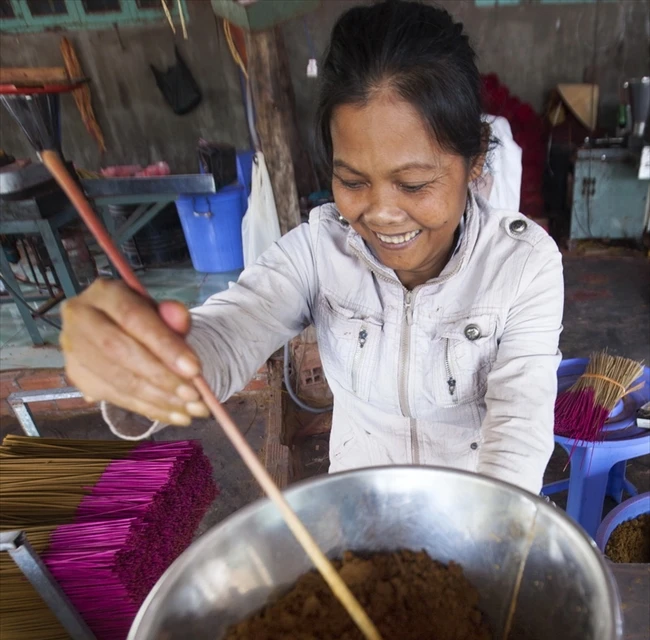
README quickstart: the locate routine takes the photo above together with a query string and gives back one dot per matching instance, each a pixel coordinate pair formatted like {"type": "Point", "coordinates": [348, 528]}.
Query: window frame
{"type": "Point", "coordinates": [485, 4]}
{"type": "Point", "coordinates": [77, 17]}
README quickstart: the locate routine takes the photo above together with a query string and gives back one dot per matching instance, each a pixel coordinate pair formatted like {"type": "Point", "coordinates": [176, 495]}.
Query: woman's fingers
{"type": "Point", "coordinates": [175, 316]}
{"type": "Point", "coordinates": [140, 319]}
{"type": "Point", "coordinates": [125, 390]}
{"type": "Point", "coordinates": [105, 340]}
{"type": "Point", "coordinates": [118, 349]}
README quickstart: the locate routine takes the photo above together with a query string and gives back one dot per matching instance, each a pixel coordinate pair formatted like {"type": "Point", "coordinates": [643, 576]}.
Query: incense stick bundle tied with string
{"type": "Point", "coordinates": [582, 411]}
{"type": "Point", "coordinates": [107, 519]}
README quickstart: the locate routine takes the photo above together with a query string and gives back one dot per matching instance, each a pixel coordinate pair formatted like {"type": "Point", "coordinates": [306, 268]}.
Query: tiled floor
{"type": "Point", "coordinates": [178, 283]}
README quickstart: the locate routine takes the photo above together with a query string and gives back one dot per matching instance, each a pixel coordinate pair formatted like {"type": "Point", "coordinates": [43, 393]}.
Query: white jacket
{"type": "Point", "coordinates": [460, 372]}
{"type": "Point", "coordinates": [500, 183]}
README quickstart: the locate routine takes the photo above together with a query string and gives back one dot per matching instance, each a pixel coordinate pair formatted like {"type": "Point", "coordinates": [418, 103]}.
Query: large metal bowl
{"type": "Point", "coordinates": [501, 535]}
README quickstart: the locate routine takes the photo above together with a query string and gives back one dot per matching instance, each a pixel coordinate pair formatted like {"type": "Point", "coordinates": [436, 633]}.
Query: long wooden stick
{"type": "Point", "coordinates": [52, 160]}
{"type": "Point", "coordinates": [168, 15]}
{"type": "Point", "coordinates": [183, 25]}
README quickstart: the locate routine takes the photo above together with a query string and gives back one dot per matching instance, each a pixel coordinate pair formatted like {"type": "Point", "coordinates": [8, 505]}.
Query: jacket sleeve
{"type": "Point", "coordinates": [236, 331]}
{"type": "Point", "coordinates": [517, 431]}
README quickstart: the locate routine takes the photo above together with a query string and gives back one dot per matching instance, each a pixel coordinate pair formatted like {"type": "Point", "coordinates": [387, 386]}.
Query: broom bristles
{"type": "Point", "coordinates": [582, 411]}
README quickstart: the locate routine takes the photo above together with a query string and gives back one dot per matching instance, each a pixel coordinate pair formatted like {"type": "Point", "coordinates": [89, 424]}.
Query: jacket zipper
{"type": "Point", "coordinates": [405, 347]}
{"type": "Point", "coordinates": [359, 356]}
{"type": "Point", "coordinates": [451, 381]}
{"type": "Point", "coordinates": [403, 379]}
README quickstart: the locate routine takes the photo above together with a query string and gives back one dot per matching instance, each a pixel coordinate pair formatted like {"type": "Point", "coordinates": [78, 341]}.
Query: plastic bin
{"type": "Point", "coordinates": [245, 168]}
{"type": "Point", "coordinates": [212, 226]}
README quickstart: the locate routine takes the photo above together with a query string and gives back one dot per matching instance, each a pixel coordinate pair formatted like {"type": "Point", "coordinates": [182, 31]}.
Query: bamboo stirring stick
{"type": "Point", "coordinates": [183, 25]}
{"type": "Point", "coordinates": [168, 15]}
{"type": "Point", "coordinates": [53, 162]}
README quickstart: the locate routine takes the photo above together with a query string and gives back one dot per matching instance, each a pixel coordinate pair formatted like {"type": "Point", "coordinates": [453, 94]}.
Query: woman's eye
{"type": "Point", "coordinates": [351, 185]}
{"type": "Point", "coordinates": [412, 188]}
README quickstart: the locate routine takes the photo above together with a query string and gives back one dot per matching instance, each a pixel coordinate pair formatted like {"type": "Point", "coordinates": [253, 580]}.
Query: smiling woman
{"type": "Point", "coordinates": [404, 200]}
{"type": "Point", "coordinates": [437, 316]}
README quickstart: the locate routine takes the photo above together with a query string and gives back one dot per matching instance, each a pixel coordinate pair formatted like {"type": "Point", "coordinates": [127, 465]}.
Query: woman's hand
{"type": "Point", "coordinates": [121, 348]}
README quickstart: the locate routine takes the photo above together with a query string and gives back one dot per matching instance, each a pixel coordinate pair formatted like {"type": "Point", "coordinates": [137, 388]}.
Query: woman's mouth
{"type": "Point", "coordinates": [398, 241]}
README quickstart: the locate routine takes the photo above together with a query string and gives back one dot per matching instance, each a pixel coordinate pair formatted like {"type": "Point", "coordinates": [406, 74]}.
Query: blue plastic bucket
{"type": "Point", "coordinates": [212, 226]}
{"type": "Point", "coordinates": [245, 168]}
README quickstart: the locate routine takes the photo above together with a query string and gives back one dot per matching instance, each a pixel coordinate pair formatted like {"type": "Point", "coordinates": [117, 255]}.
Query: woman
{"type": "Point", "coordinates": [438, 318]}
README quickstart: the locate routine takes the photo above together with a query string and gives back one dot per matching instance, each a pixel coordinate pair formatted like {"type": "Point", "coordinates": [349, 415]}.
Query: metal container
{"type": "Point", "coordinates": [638, 93]}
{"type": "Point", "coordinates": [502, 536]}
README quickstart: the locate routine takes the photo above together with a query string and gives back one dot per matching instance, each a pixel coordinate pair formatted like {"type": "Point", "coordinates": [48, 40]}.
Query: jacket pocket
{"type": "Point", "coordinates": [340, 447]}
{"type": "Point", "coordinates": [468, 348]}
{"type": "Point", "coordinates": [348, 342]}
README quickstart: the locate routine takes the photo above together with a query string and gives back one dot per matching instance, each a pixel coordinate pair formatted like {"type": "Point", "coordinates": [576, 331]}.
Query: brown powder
{"type": "Point", "coordinates": [630, 541]}
{"type": "Point", "coordinates": [406, 594]}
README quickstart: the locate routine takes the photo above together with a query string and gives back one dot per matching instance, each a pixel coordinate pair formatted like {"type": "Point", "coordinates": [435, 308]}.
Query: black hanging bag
{"type": "Point", "coordinates": [178, 86]}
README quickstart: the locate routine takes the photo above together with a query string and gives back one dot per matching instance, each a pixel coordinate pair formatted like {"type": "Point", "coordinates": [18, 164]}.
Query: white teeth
{"type": "Point", "coordinates": [398, 239]}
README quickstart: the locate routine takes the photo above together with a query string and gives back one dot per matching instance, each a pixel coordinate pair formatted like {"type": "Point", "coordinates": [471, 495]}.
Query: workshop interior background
{"type": "Point", "coordinates": [527, 46]}
{"type": "Point", "coordinates": [160, 169]}
{"type": "Point", "coordinates": [532, 45]}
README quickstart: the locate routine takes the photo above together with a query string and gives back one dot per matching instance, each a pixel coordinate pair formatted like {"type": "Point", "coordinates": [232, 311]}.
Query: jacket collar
{"type": "Point", "coordinates": [469, 230]}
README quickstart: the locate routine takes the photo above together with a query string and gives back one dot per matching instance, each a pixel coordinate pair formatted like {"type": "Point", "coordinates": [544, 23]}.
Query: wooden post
{"type": "Point", "coordinates": [274, 121]}
{"type": "Point", "coordinates": [303, 165]}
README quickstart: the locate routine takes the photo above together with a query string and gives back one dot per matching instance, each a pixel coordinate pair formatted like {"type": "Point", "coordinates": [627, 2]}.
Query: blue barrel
{"type": "Point", "coordinates": [245, 168]}
{"type": "Point", "coordinates": [212, 226]}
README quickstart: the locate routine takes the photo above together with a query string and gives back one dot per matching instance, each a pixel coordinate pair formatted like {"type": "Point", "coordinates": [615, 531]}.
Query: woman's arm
{"type": "Point", "coordinates": [517, 431]}
{"type": "Point", "coordinates": [237, 330]}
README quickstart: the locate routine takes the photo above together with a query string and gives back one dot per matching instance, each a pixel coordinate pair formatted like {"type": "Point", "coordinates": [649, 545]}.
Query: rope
{"type": "Point", "coordinates": [233, 49]}
{"type": "Point", "coordinates": [626, 392]}
{"type": "Point", "coordinates": [610, 380]}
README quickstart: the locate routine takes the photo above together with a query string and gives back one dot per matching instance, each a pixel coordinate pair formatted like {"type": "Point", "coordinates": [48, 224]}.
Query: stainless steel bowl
{"type": "Point", "coordinates": [500, 535]}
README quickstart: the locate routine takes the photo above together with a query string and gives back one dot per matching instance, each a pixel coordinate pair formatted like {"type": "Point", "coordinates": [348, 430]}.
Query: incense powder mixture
{"type": "Point", "coordinates": [406, 594]}
{"type": "Point", "coordinates": [630, 541]}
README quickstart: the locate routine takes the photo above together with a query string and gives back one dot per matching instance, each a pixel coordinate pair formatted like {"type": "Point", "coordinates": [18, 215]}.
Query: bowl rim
{"type": "Point", "coordinates": [169, 576]}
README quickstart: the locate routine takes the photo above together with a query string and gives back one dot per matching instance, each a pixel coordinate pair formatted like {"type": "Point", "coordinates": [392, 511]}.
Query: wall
{"type": "Point", "coordinates": [138, 125]}
{"type": "Point", "coordinates": [531, 46]}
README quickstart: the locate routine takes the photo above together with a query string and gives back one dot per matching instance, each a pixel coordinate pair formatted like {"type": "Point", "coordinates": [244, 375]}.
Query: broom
{"type": "Point", "coordinates": [107, 518]}
{"type": "Point", "coordinates": [81, 94]}
{"type": "Point", "coordinates": [582, 410]}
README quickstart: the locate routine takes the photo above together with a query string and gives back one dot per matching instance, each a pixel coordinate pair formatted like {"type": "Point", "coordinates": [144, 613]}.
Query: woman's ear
{"type": "Point", "coordinates": [477, 168]}
{"type": "Point", "coordinates": [479, 161]}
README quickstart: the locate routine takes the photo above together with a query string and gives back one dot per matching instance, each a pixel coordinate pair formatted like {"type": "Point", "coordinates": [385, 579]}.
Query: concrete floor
{"type": "Point", "coordinates": [607, 305]}
{"type": "Point", "coordinates": [179, 282]}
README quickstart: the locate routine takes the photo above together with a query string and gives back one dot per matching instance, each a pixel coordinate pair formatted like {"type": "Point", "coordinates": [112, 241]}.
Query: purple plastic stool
{"type": "Point", "coordinates": [597, 469]}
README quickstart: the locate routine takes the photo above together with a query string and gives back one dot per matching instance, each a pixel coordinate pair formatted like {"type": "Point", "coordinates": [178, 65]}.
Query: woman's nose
{"type": "Point", "coordinates": [384, 217]}
{"type": "Point", "coordinates": [383, 211]}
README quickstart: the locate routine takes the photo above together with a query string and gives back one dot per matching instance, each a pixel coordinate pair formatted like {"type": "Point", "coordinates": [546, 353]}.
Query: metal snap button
{"type": "Point", "coordinates": [518, 226]}
{"type": "Point", "coordinates": [472, 332]}
{"type": "Point", "coordinates": [473, 446]}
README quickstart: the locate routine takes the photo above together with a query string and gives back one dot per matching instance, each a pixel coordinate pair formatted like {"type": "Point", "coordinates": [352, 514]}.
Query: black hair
{"type": "Point", "coordinates": [417, 51]}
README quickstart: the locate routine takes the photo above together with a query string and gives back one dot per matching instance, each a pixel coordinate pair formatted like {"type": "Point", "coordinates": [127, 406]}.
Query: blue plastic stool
{"type": "Point", "coordinates": [597, 469]}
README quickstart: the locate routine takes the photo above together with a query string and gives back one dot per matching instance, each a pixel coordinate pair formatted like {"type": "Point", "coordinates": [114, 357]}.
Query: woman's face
{"type": "Point", "coordinates": [396, 187]}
